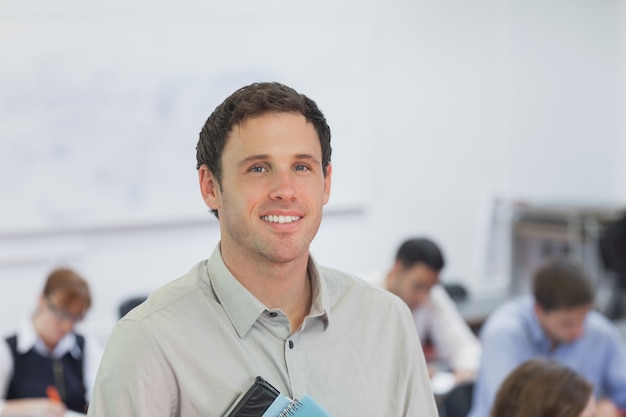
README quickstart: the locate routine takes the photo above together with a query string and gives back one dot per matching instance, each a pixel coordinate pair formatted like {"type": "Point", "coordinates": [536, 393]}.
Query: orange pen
{"type": "Point", "coordinates": [53, 393]}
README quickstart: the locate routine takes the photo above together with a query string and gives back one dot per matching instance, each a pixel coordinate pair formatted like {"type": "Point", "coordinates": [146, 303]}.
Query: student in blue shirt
{"type": "Point", "coordinates": [556, 322]}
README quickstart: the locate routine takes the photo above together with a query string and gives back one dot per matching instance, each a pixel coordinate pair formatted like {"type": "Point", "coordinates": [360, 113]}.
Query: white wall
{"type": "Point", "coordinates": [439, 106]}
{"type": "Point", "coordinates": [620, 166]}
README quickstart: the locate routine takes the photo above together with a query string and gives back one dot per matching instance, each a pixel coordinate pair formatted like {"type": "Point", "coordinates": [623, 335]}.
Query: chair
{"type": "Point", "coordinates": [458, 401]}
{"type": "Point", "coordinates": [130, 303]}
{"type": "Point", "coordinates": [612, 251]}
{"type": "Point", "coordinates": [456, 291]}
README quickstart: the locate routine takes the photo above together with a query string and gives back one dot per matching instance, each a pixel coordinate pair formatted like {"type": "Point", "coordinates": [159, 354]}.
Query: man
{"type": "Point", "coordinates": [556, 322]}
{"type": "Point", "coordinates": [415, 279]}
{"type": "Point", "coordinates": [260, 305]}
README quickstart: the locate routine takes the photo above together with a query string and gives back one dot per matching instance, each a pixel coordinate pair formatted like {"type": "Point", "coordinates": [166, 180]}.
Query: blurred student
{"type": "Point", "coordinates": [261, 305]}
{"type": "Point", "coordinates": [46, 368]}
{"type": "Point", "coordinates": [414, 277]}
{"type": "Point", "coordinates": [557, 322]}
{"type": "Point", "coordinates": [541, 387]}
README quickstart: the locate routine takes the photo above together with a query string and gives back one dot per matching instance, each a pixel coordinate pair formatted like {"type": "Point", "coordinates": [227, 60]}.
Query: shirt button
{"type": "Point", "coordinates": [273, 314]}
{"type": "Point", "coordinates": [290, 344]}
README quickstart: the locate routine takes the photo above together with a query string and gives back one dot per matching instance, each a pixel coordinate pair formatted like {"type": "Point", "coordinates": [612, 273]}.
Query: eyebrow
{"type": "Point", "coordinates": [253, 158]}
{"type": "Point", "coordinates": [264, 157]}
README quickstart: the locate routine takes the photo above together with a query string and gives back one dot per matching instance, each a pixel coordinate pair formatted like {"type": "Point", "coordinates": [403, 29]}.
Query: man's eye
{"type": "Point", "coordinates": [257, 169]}
{"type": "Point", "coordinates": [301, 168]}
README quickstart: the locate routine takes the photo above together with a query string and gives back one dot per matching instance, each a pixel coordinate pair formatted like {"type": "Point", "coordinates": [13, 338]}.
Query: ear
{"type": "Point", "coordinates": [41, 302]}
{"type": "Point", "coordinates": [393, 274]}
{"type": "Point", "coordinates": [209, 187]}
{"type": "Point", "coordinates": [539, 311]}
{"type": "Point", "coordinates": [327, 182]}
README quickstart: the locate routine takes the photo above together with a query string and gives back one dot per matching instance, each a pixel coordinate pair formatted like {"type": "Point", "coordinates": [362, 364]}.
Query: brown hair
{"type": "Point", "coordinates": [251, 101]}
{"type": "Point", "coordinates": [541, 387]}
{"type": "Point", "coordinates": [68, 288]}
{"type": "Point", "coordinates": [561, 283]}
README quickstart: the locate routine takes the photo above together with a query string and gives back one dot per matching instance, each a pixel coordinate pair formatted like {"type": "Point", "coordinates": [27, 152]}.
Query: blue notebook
{"type": "Point", "coordinates": [263, 400]}
{"type": "Point", "coordinates": [306, 406]}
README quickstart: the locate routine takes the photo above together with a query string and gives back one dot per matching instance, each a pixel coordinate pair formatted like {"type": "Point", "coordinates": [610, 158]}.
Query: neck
{"type": "Point", "coordinates": [285, 286]}
{"type": "Point", "coordinates": [41, 332]}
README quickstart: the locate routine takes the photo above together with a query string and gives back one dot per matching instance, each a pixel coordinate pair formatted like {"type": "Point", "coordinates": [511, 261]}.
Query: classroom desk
{"type": "Point", "coordinates": [475, 310]}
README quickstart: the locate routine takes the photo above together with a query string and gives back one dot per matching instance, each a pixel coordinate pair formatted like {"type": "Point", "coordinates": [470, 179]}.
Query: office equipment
{"type": "Point", "coordinates": [612, 247]}
{"type": "Point", "coordinates": [263, 400]}
{"type": "Point", "coordinates": [255, 401]}
{"type": "Point", "coordinates": [304, 407]}
{"type": "Point", "coordinates": [53, 393]}
{"type": "Point", "coordinates": [540, 230]}
{"type": "Point", "coordinates": [130, 303]}
{"type": "Point", "coordinates": [458, 401]}
{"type": "Point", "coordinates": [280, 403]}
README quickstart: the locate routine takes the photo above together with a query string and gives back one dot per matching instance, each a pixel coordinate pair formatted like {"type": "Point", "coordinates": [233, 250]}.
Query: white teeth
{"type": "Point", "coordinates": [281, 219]}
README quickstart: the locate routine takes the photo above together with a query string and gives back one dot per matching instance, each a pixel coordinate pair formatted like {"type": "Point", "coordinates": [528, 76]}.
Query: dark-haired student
{"type": "Point", "coordinates": [556, 322]}
{"type": "Point", "coordinates": [444, 334]}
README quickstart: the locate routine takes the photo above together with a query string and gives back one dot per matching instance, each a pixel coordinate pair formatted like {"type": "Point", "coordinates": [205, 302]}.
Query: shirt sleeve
{"type": "Point", "coordinates": [504, 347]}
{"type": "Point", "coordinates": [451, 336]}
{"type": "Point", "coordinates": [419, 398]}
{"type": "Point", "coordinates": [132, 379]}
{"type": "Point", "coordinates": [616, 371]}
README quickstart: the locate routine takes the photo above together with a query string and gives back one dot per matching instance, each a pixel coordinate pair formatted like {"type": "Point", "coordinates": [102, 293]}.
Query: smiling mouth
{"type": "Point", "coordinates": [281, 219]}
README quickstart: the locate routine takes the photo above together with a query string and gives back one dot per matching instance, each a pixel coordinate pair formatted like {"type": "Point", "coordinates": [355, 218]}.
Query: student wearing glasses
{"type": "Point", "coordinates": [46, 368]}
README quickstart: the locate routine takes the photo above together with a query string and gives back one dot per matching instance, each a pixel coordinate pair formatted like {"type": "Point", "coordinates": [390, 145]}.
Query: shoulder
{"type": "Point", "coordinates": [366, 312]}
{"type": "Point", "coordinates": [361, 295]}
{"type": "Point", "coordinates": [599, 326]}
{"type": "Point", "coordinates": [440, 297]}
{"type": "Point", "coordinates": [342, 283]}
{"type": "Point", "coordinates": [176, 294]}
{"type": "Point", "coordinates": [510, 318]}
{"type": "Point", "coordinates": [376, 278]}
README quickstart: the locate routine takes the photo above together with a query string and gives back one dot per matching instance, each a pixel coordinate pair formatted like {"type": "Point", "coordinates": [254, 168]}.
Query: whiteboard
{"type": "Point", "coordinates": [99, 118]}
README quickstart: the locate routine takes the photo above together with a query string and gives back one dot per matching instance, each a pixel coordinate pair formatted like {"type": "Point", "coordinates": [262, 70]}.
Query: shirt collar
{"type": "Point", "coordinates": [243, 308]}
{"type": "Point", "coordinates": [537, 333]}
{"type": "Point", "coordinates": [320, 305]}
{"type": "Point", "coordinates": [27, 339]}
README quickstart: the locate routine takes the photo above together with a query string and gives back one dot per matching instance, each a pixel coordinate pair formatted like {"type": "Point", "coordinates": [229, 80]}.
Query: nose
{"type": "Point", "coordinates": [283, 187]}
{"type": "Point", "coordinates": [419, 299]}
{"type": "Point", "coordinates": [67, 325]}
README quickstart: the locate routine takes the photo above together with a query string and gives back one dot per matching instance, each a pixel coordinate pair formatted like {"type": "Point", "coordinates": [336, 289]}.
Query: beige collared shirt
{"type": "Point", "coordinates": [198, 342]}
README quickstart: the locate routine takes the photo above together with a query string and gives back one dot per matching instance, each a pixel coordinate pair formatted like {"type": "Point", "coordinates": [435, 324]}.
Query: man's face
{"type": "Point", "coordinates": [57, 320]}
{"type": "Point", "coordinates": [273, 188]}
{"type": "Point", "coordinates": [412, 284]}
{"type": "Point", "coordinates": [563, 325]}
